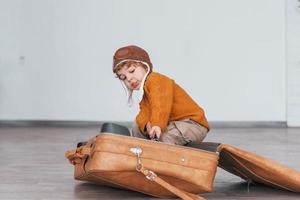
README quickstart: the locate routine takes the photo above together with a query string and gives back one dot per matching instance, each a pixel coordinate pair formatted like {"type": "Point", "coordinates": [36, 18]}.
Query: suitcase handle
{"type": "Point", "coordinates": [77, 155]}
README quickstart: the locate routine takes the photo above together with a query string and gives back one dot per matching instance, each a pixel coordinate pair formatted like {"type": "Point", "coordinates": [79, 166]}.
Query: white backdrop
{"type": "Point", "coordinates": [56, 56]}
{"type": "Point", "coordinates": [293, 62]}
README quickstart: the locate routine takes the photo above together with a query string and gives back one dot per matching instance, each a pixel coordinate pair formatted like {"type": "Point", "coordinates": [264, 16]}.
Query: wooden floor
{"type": "Point", "coordinates": [33, 164]}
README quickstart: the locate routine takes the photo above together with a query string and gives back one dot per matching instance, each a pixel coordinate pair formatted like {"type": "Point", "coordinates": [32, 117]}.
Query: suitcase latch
{"type": "Point", "coordinates": [137, 151]}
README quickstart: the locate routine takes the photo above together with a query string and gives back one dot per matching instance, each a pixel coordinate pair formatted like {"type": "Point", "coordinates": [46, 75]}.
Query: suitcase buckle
{"type": "Point", "coordinates": [151, 175]}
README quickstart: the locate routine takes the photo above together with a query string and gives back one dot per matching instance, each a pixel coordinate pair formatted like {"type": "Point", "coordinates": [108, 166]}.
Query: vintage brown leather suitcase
{"type": "Point", "coordinates": [254, 168]}
{"type": "Point", "coordinates": [121, 161]}
{"type": "Point", "coordinates": [150, 167]}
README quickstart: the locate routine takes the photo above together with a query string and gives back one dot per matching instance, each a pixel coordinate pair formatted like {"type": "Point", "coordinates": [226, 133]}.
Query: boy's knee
{"type": "Point", "coordinates": [195, 134]}
{"type": "Point", "coordinates": [191, 131]}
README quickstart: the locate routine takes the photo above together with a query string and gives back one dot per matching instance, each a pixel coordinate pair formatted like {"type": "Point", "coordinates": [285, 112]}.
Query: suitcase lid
{"type": "Point", "coordinates": [254, 168]}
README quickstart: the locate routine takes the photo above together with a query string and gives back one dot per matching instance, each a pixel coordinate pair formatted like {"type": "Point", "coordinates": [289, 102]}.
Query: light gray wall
{"type": "Point", "coordinates": [293, 62]}
{"type": "Point", "coordinates": [56, 56]}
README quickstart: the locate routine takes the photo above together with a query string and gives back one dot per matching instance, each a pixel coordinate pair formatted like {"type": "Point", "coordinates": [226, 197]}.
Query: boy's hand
{"type": "Point", "coordinates": [153, 131]}
{"type": "Point", "coordinates": [148, 127]}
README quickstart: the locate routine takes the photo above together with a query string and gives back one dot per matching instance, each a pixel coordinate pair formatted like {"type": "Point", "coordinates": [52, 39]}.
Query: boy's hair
{"type": "Point", "coordinates": [128, 63]}
{"type": "Point", "coordinates": [130, 53]}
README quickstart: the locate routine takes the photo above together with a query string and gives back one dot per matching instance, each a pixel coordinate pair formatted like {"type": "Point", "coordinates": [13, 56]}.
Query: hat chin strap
{"type": "Point", "coordinates": [128, 93]}
{"type": "Point", "coordinates": [141, 90]}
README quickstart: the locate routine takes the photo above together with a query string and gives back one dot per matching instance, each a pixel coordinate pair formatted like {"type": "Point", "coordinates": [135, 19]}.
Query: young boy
{"type": "Point", "coordinates": [167, 113]}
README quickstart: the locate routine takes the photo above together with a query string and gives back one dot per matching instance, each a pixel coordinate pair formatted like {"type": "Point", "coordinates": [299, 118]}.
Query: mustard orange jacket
{"type": "Point", "coordinates": [166, 101]}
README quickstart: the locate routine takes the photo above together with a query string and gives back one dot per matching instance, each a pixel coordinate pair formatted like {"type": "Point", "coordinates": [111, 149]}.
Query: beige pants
{"type": "Point", "coordinates": [178, 132]}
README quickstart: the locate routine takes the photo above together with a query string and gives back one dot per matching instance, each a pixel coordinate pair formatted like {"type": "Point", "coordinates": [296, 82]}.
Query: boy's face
{"type": "Point", "coordinates": [132, 75]}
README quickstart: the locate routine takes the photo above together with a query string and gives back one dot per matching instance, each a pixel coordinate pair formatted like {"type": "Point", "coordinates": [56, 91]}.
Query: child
{"type": "Point", "coordinates": [167, 113]}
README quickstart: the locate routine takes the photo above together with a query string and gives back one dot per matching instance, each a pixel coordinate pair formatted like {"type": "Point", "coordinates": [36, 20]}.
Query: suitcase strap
{"type": "Point", "coordinates": [150, 175]}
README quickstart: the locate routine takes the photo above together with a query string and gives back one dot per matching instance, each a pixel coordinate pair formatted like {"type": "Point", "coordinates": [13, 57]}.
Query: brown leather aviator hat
{"type": "Point", "coordinates": [131, 52]}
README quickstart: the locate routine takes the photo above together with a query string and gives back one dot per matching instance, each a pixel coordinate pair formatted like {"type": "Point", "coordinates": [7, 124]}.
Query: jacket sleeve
{"type": "Point", "coordinates": [143, 116]}
{"type": "Point", "coordinates": [160, 92]}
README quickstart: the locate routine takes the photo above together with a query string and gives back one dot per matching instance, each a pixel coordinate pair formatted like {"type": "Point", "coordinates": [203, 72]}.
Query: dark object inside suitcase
{"type": "Point", "coordinates": [115, 128]}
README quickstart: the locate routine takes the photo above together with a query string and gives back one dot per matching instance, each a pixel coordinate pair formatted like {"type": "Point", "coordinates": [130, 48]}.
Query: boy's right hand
{"type": "Point", "coordinates": [153, 132]}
